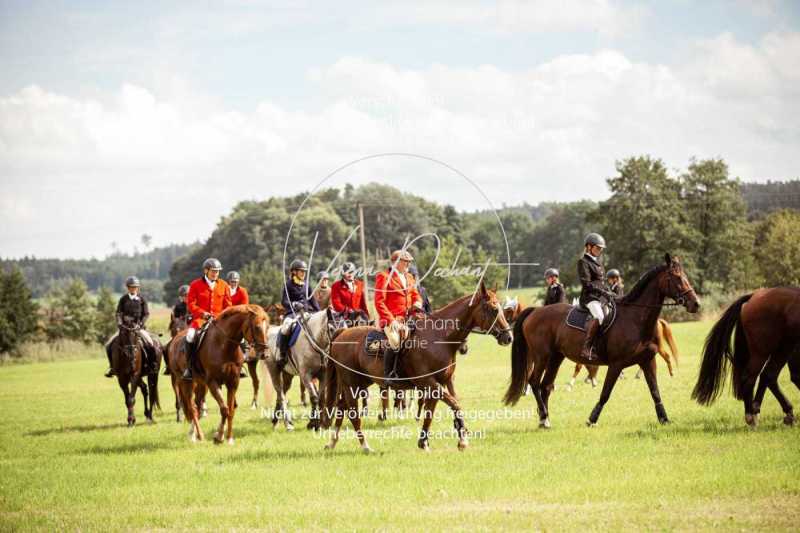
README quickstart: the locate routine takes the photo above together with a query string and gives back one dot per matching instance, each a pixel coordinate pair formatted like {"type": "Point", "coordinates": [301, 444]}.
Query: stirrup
{"type": "Point", "coordinates": [109, 373]}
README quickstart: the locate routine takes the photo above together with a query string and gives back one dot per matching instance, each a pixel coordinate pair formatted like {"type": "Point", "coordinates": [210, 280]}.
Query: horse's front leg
{"type": "Point", "coordinates": [429, 406]}
{"type": "Point", "coordinates": [550, 373]}
{"type": "Point", "coordinates": [252, 367]}
{"type": "Point", "coordinates": [148, 401]}
{"type": "Point", "coordinates": [190, 409]}
{"type": "Point", "coordinates": [649, 369]}
{"type": "Point", "coordinates": [231, 410]}
{"type": "Point", "coordinates": [458, 415]}
{"type": "Point", "coordinates": [214, 388]}
{"type": "Point", "coordinates": [313, 395]}
{"type": "Point", "coordinates": [605, 394]}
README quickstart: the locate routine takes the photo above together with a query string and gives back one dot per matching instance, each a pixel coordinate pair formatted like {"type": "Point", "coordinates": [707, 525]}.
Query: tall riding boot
{"type": "Point", "coordinates": [110, 372]}
{"type": "Point", "coordinates": [588, 342]}
{"type": "Point", "coordinates": [244, 347]}
{"type": "Point", "coordinates": [389, 365]}
{"type": "Point", "coordinates": [165, 349]}
{"type": "Point", "coordinates": [190, 349]}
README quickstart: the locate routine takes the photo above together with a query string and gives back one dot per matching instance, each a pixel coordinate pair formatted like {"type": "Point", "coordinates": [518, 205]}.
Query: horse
{"type": "Point", "coordinates": [664, 333]}
{"type": "Point", "coordinates": [170, 361]}
{"type": "Point", "coordinates": [767, 326]}
{"type": "Point", "coordinates": [220, 360]}
{"type": "Point", "coordinates": [306, 359]}
{"type": "Point", "coordinates": [542, 339]}
{"type": "Point", "coordinates": [127, 356]}
{"type": "Point", "coordinates": [427, 364]}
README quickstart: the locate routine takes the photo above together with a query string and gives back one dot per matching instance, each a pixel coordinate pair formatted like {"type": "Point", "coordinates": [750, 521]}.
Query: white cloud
{"type": "Point", "coordinates": [549, 132]}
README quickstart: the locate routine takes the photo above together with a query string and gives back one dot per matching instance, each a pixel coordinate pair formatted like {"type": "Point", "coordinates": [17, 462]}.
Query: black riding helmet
{"type": "Point", "coordinates": [551, 272]}
{"type": "Point", "coordinates": [132, 281]}
{"type": "Point", "coordinates": [298, 264]}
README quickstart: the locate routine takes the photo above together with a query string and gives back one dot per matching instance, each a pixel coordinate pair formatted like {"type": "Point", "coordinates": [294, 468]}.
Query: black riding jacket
{"type": "Point", "coordinates": [132, 310]}
{"type": "Point", "coordinates": [555, 294]}
{"type": "Point", "coordinates": [592, 275]}
{"type": "Point", "coordinates": [293, 292]}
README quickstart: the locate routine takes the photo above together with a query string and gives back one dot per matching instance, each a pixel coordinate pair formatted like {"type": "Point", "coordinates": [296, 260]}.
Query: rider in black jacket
{"type": "Point", "coordinates": [594, 293]}
{"type": "Point", "coordinates": [555, 290]}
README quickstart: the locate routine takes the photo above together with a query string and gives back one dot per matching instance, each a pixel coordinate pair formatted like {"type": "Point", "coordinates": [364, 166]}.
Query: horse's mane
{"type": "Point", "coordinates": [231, 310]}
{"type": "Point", "coordinates": [455, 302]}
{"type": "Point", "coordinates": [642, 284]}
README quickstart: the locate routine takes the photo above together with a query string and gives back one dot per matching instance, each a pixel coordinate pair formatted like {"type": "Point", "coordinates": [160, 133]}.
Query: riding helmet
{"type": "Point", "coordinates": [212, 263]}
{"type": "Point", "coordinates": [551, 272]}
{"type": "Point", "coordinates": [324, 274]}
{"type": "Point", "coordinates": [298, 264]}
{"type": "Point", "coordinates": [132, 281]}
{"type": "Point", "coordinates": [613, 273]}
{"type": "Point", "coordinates": [233, 276]}
{"type": "Point", "coordinates": [348, 268]}
{"type": "Point", "coordinates": [595, 239]}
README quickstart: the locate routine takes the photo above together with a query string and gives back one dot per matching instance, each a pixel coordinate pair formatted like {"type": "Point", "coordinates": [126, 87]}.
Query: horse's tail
{"type": "Point", "coordinates": [331, 388]}
{"type": "Point", "coordinates": [667, 331]}
{"type": "Point", "coordinates": [520, 365]}
{"type": "Point", "coordinates": [717, 355]}
{"type": "Point", "coordinates": [152, 384]}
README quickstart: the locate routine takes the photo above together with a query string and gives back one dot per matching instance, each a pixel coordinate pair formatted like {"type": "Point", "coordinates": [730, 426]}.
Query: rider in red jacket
{"type": "Point", "coordinates": [395, 296]}
{"type": "Point", "coordinates": [208, 297]}
{"type": "Point", "coordinates": [347, 294]}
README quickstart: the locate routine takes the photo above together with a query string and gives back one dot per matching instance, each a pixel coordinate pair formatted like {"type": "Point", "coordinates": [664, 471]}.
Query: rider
{"type": "Point", "coordinates": [239, 295]}
{"type": "Point", "coordinates": [132, 311]}
{"type": "Point", "coordinates": [208, 297]}
{"type": "Point", "coordinates": [181, 311]}
{"type": "Point", "coordinates": [555, 290]}
{"type": "Point", "coordinates": [295, 290]}
{"type": "Point", "coordinates": [322, 294]}
{"type": "Point", "coordinates": [593, 291]}
{"type": "Point", "coordinates": [395, 296]}
{"type": "Point", "coordinates": [347, 294]}
{"type": "Point", "coordinates": [614, 280]}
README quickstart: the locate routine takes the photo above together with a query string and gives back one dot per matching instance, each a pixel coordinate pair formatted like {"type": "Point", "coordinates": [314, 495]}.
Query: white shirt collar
{"type": "Point", "coordinates": [234, 289]}
{"type": "Point", "coordinates": [593, 258]}
{"type": "Point", "coordinates": [350, 285]}
{"type": "Point", "coordinates": [209, 282]}
{"type": "Point", "coordinates": [133, 296]}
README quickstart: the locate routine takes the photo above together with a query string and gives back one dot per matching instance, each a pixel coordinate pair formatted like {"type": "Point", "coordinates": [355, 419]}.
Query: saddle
{"type": "Point", "coordinates": [578, 317]}
{"type": "Point", "coordinates": [375, 342]}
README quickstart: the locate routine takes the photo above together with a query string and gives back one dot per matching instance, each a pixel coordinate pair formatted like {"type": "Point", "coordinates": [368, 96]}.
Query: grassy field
{"type": "Point", "coordinates": [69, 462]}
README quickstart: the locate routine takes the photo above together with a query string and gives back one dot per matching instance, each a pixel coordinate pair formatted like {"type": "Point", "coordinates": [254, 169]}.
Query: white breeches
{"type": "Point", "coordinates": [190, 333]}
{"type": "Point", "coordinates": [286, 326]}
{"type": "Point", "coordinates": [396, 332]}
{"type": "Point", "coordinates": [596, 308]}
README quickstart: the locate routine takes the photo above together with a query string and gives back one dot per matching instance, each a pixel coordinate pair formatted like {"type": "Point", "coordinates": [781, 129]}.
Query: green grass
{"type": "Point", "coordinates": [69, 462]}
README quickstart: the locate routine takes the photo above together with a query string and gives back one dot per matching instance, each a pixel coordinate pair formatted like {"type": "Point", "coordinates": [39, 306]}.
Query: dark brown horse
{"type": "Point", "coordinates": [664, 339]}
{"type": "Point", "coordinates": [220, 361]}
{"type": "Point", "coordinates": [127, 356]}
{"type": "Point", "coordinates": [428, 364]}
{"type": "Point", "coordinates": [767, 326]}
{"type": "Point", "coordinates": [542, 340]}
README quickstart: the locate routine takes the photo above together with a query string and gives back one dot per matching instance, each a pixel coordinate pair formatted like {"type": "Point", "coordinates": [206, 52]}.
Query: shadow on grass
{"type": "Point", "coordinates": [136, 447]}
{"type": "Point", "coordinates": [707, 427]}
{"type": "Point", "coordinates": [271, 455]}
{"type": "Point", "coordinates": [74, 429]}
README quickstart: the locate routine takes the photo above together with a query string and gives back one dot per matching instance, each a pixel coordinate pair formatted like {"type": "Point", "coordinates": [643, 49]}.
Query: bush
{"type": "Point", "coordinates": [18, 312]}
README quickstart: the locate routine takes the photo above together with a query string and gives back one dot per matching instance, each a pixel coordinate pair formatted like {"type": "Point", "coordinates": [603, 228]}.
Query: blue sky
{"type": "Point", "coordinates": [534, 100]}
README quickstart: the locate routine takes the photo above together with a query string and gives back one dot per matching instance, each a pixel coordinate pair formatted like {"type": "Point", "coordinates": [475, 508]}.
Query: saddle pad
{"type": "Point", "coordinates": [578, 317]}
{"type": "Point", "coordinates": [375, 342]}
{"type": "Point", "coordinates": [294, 335]}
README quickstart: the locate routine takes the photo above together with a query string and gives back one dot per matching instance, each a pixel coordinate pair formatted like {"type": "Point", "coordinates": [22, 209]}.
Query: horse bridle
{"type": "Point", "coordinates": [494, 331]}
{"type": "Point", "coordinates": [259, 346]}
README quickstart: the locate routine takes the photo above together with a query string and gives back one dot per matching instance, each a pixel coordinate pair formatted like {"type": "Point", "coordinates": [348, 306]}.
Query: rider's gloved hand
{"type": "Point", "coordinates": [298, 307]}
{"type": "Point", "coordinates": [207, 316]}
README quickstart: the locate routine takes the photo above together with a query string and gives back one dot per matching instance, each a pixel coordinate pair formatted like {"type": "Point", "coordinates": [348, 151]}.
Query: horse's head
{"type": "Point", "coordinates": [674, 284]}
{"type": "Point", "coordinates": [489, 316]}
{"type": "Point", "coordinates": [128, 339]}
{"type": "Point", "coordinates": [255, 329]}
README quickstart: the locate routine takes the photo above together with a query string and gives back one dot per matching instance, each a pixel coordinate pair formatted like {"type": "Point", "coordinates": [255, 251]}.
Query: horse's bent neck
{"type": "Point", "coordinates": [457, 319]}
{"type": "Point", "coordinates": [646, 307]}
{"type": "Point", "coordinates": [230, 329]}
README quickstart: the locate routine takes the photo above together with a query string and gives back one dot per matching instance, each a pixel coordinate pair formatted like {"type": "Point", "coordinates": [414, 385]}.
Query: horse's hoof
{"type": "Point", "coordinates": [590, 424]}
{"type": "Point", "coordinates": [789, 419]}
{"type": "Point", "coordinates": [231, 441]}
{"type": "Point", "coordinates": [381, 417]}
{"type": "Point", "coordinates": [254, 405]}
{"type": "Point", "coordinates": [423, 445]}
{"type": "Point", "coordinates": [462, 445]}
{"type": "Point", "coordinates": [663, 421]}
{"type": "Point", "coordinates": [545, 423]}
{"type": "Point", "coordinates": [290, 428]}
{"type": "Point", "coordinates": [367, 450]}
{"type": "Point", "coordinates": [218, 439]}
{"type": "Point", "coordinates": [751, 420]}
{"type": "Point", "coordinates": [330, 446]}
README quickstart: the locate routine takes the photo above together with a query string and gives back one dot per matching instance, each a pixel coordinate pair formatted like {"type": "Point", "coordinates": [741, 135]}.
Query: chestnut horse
{"type": "Point", "coordinates": [767, 325]}
{"type": "Point", "coordinates": [542, 340]}
{"type": "Point", "coordinates": [664, 334]}
{"type": "Point", "coordinates": [127, 356]}
{"type": "Point", "coordinates": [220, 360]}
{"type": "Point", "coordinates": [428, 364]}
{"type": "Point", "coordinates": [170, 361]}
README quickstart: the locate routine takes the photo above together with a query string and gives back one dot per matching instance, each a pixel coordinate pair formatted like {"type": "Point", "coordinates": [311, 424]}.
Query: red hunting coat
{"type": "Point", "coordinates": [202, 300]}
{"type": "Point", "coordinates": [345, 301]}
{"type": "Point", "coordinates": [392, 301]}
{"type": "Point", "coordinates": [241, 297]}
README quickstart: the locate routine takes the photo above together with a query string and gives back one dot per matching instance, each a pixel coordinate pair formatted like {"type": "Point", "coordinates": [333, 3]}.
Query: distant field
{"type": "Point", "coordinates": [69, 462]}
